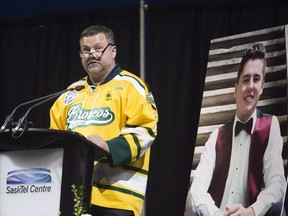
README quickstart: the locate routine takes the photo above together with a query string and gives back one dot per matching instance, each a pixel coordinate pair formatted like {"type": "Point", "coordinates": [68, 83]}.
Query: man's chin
{"type": "Point", "coordinates": [93, 65]}
{"type": "Point", "coordinates": [250, 110]}
{"type": "Point", "coordinates": [93, 70]}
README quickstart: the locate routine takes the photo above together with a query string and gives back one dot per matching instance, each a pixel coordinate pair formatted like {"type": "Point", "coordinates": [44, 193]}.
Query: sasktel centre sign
{"type": "Point", "coordinates": [30, 182]}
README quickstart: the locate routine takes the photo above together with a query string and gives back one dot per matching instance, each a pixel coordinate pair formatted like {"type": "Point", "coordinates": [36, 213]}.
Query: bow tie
{"type": "Point", "coordinates": [240, 126]}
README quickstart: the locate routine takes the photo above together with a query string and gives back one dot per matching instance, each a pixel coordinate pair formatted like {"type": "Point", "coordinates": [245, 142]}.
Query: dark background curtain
{"type": "Point", "coordinates": [39, 56]}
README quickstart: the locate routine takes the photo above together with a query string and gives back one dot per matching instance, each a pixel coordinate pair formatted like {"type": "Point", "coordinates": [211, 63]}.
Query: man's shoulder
{"type": "Point", "coordinates": [129, 74]}
{"type": "Point", "coordinates": [82, 81]}
{"type": "Point", "coordinates": [261, 114]}
{"type": "Point", "coordinates": [131, 78]}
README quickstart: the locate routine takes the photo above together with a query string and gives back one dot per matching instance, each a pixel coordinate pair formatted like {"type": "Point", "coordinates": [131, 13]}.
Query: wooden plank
{"type": "Point", "coordinates": [243, 47]}
{"type": "Point", "coordinates": [249, 37]}
{"type": "Point", "coordinates": [233, 61]}
{"type": "Point", "coordinates": [248, 34]}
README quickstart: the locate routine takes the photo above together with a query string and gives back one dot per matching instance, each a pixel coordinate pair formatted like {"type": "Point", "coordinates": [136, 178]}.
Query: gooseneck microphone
{"type": "Point", "coordinates": [22, 122]}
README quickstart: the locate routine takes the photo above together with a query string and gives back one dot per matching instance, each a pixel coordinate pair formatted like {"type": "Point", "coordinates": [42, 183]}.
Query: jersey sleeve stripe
{"type": "Point", "coordinates": [139, 87]}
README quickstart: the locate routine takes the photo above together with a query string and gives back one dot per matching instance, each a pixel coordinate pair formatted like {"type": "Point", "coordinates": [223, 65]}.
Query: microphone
{"type": "Point", "coordinates": [8, 121]}
{"type": "Point", "coordinates": [23, 120]}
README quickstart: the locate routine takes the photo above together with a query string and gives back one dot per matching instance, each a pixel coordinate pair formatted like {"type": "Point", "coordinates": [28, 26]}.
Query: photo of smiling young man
{"type": "Point", "coordinates": [241, 169]}
{"type": "Point", "coordinates": [249, 88]}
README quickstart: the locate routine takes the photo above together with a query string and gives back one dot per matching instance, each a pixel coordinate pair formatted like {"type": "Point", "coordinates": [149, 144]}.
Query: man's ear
{"type": "Point", "coordinates": [262, 87]}
{"type": "Point", "coordinates": [114, 51]}
{"type": "Point", "coordinates": [235, 89]}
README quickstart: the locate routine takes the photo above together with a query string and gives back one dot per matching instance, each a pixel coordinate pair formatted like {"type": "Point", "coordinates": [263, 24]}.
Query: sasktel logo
{"type": "Point", "coordinates": [32, 180]}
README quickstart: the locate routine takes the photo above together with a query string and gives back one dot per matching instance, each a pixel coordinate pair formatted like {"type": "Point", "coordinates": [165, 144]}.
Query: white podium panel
{"type": "Point", "coordinates": [30, 182]}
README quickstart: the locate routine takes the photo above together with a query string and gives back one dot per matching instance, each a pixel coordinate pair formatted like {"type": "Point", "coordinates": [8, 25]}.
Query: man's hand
{"type": "Point", "coordinates": [97, 140]}
{"type": "Point", "coordinates": [239, 210]}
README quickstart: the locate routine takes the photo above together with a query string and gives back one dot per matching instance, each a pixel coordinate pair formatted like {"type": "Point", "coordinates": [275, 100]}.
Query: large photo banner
{"type": "Point", "coordinates": [223, 85]}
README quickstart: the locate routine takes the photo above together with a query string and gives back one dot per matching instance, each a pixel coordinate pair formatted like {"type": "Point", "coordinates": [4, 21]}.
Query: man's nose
{"type": "Point", "coordinates": [251, 84]}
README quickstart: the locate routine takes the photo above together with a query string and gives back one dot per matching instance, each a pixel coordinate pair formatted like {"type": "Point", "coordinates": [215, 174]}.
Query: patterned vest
{"type": "Point", "coordinates": [259, 141]}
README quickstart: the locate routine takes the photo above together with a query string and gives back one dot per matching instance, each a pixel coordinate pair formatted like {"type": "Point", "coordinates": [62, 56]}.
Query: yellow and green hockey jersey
{"type": "Point", "coordinates": [122, 111]}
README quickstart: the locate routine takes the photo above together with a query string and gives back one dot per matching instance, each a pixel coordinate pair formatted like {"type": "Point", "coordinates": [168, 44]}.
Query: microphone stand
{"type": "Point", "coordinates": [22, 122]}
{"type": "Point", "coordinates": [9, 118]}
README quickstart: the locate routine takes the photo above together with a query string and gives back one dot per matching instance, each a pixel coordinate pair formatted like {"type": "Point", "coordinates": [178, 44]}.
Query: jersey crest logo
{"type": "Point", "coordinates": [78, 117]}
{"type": "Point", "coordinates": [70, 97]}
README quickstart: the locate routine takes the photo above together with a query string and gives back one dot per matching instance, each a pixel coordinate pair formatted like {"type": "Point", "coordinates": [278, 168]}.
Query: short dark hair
{"type": "Point", "coordinates": [96, 29]}
{"type": "Point", "coordinates": [257, 51]}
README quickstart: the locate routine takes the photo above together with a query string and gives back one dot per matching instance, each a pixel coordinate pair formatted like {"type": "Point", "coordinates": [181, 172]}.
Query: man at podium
{"type": "Point", "coordinates": [116, 111]}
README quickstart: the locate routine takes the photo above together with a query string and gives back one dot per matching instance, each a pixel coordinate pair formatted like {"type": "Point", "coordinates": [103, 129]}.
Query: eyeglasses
{"type": "Point", "coordinates": [97, 54]}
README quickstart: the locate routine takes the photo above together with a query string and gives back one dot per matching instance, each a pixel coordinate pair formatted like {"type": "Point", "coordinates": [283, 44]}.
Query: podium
{"type": "Point", "coordinates": [38, 169]}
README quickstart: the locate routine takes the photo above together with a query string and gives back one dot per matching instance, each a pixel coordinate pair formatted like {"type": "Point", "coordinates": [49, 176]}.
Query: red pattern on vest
{"type": "Point", "coordinates": [259, 141]}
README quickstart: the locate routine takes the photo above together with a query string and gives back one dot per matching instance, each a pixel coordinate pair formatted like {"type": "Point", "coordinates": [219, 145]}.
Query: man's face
{"type": "Point", "coordinates": [97, 64]}
{"type": "Point", "coordinates": [249, 88]}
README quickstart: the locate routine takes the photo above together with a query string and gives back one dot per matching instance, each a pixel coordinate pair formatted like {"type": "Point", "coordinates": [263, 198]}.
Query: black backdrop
{"type": "Point", "coordinates": [39, 55]}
